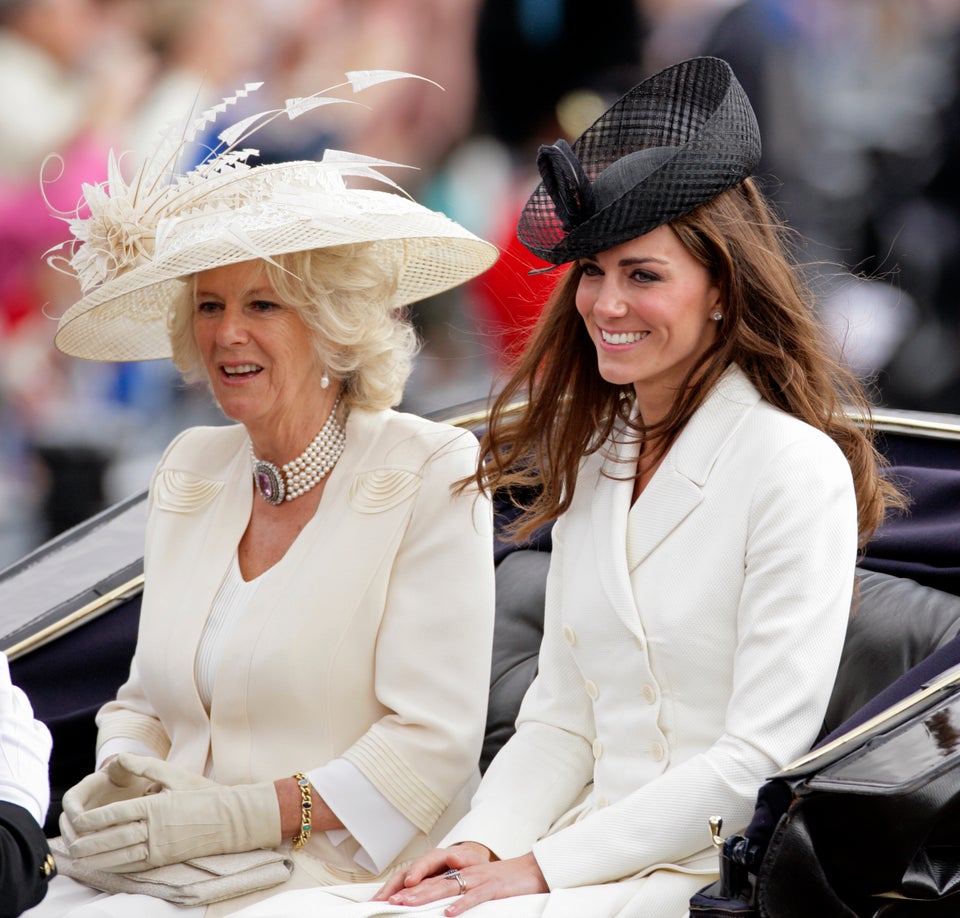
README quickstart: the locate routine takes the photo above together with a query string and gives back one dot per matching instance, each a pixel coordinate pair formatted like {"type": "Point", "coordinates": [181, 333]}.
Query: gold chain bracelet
{"type": "Point", "coordinates": [306, 807]}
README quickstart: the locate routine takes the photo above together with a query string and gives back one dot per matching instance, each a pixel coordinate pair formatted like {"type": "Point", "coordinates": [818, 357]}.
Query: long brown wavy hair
{"type": "Point", "coordinates": [769, 330]}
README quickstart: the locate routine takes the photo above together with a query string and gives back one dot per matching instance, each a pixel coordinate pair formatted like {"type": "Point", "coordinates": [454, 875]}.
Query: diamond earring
{"type": "Point", "coordinates": [717, 316]}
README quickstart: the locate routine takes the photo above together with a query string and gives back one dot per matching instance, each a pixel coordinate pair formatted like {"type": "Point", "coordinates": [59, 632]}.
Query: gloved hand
{"type": "Point", "coordinates": [25, 743]}
{"type": "Point", "coordinates": [190, 816]}
{"type": "Point", "coordinates": [108, 785]}
{"type": "Point", "coordinates": [115, 782]}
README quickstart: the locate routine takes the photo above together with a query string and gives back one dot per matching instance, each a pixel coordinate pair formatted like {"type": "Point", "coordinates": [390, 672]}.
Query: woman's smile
{"type": "Point", "coordinates": [616, 339]}
{"type": "Point", "coordinates": [241, 371]}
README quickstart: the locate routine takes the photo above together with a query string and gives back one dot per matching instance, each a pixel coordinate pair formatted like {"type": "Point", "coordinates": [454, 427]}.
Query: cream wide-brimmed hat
{"type": "Point", "coordinates": [139, 241]}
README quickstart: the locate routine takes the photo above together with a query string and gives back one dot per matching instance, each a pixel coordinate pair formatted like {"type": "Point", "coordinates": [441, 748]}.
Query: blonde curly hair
{"type": "Point", "coordinates": [341, 294]}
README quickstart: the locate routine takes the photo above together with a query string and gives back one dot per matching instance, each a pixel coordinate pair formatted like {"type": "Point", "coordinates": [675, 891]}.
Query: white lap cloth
{"type": "Point", "coordinates": [658, 895]}
{"type": "Point", "coordinates": [67, 898]}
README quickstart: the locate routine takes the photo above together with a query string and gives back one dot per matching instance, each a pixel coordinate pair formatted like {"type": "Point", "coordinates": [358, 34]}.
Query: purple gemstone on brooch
{"type": "Point", "coordinates": [264, 484]}
{"type": "Point", "coordinates": [267, 478]}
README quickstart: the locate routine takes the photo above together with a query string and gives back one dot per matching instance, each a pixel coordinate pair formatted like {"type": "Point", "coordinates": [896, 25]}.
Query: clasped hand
{"type": "Point", "coordinates": [483, 878]}
{"type": "Point", "coordinates": [140, 812]}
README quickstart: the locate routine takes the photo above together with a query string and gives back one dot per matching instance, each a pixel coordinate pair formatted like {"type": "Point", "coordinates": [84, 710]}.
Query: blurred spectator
{"type": "Point", "coordinates": [858, 107]}
{"type": "Point", "coordinates": [546, 69]}
{"type": "Point", "coordinates": [81, 77]}
{"type": "Point", "coordinates": [677, 29]}
{"type": "Point", "coordinates": [55, 101]}
{"type": "Point", "coordinates": [62, 96]}
{"type": "Point", "coordinates": [307, 44]}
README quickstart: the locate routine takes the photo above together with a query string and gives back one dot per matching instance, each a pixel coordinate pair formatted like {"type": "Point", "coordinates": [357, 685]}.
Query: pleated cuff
{"type": "Point", "coordinates": [121, 725]}
{"type": "Point", "coordinates": [393, 778]}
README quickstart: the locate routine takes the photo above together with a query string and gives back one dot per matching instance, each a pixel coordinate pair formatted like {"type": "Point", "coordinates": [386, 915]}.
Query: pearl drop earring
{"type": "Point", "coordinates": [324, 380]}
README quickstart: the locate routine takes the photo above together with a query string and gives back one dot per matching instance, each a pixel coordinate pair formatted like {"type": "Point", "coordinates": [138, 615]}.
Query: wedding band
{"type": "Point", "coordinates": [454, 874]}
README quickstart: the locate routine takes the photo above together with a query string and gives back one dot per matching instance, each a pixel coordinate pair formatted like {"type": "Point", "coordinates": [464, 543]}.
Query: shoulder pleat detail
{"type": "Point", "coordinates": [378, 490]}
{"type": "Point", "coordinates": [183, 492]}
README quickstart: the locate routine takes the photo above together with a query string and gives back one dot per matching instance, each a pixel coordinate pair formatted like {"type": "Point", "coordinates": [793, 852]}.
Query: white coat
{"type": "Point", "coordinates": [690, 646]}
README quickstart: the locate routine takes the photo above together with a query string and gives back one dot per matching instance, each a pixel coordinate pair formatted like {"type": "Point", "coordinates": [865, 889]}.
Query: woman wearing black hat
{"type": "Point", "coordinates": [685, 423]}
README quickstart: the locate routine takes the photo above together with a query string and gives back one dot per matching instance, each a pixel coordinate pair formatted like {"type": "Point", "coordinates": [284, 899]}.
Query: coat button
{"type": "Point", "coordinates": [591, 689]}
{"type": "Point", "coordinates": [597, 749]}
{"type": "Point", "coordinates": [656, 750]}
{"type": "Point", "coordinates": [569, 635]}
{"type": "Point", "coordinates": [649, 693]}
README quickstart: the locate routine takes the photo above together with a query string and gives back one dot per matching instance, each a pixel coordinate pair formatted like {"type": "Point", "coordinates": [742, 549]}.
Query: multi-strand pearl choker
{"type": "Point", "coordinates": [299, 475]}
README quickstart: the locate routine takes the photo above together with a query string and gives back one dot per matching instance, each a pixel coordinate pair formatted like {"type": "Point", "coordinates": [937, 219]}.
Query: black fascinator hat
{"type": "Point", "coordinates": [673, 142]}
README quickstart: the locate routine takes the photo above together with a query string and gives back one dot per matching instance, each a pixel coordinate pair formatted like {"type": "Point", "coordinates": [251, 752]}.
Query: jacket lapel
{"type": "Point", "coordinates": [677, 486]}
{"type": "Point", "coordinates": [666, 501]}
{"type": "Point", "coordinates": [609, 510]}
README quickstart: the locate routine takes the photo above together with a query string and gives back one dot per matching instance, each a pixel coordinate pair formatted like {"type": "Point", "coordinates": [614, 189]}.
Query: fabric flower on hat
{"type": "Point", "coordinates": [114, 229]}
{"type": "Point", "coordinates": [115, 236]}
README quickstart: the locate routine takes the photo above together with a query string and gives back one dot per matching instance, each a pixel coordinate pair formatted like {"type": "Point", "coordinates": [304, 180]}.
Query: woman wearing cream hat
{"type": "Point", "coordinates": [312, 665]}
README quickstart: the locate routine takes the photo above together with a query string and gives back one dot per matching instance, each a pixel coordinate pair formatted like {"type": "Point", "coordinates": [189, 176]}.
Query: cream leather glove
{"type": "Point", "coordinates": [189, 817]}
{"type": "Point", "coordinates": [107, 785]}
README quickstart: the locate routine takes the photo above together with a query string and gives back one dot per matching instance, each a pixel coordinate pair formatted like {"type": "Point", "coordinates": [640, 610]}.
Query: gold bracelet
{"type": "Point", "coordinates": [306, 807]}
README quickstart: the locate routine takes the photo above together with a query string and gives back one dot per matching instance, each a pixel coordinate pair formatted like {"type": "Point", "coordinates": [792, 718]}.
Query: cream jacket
{"type": "Point", "coordinates": [691, 642]}
{"type": "Point", "coordinates": [374, 645]}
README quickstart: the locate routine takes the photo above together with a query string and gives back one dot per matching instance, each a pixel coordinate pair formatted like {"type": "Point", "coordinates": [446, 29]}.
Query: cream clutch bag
{"type": "Point", "coordinates": [198, 881]}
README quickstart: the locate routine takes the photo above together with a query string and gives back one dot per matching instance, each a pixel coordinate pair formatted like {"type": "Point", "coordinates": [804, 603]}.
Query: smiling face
{"type": "Point", "coordinates": [648, 306]}
{"type": "Point", "coordinates": [259, 355]}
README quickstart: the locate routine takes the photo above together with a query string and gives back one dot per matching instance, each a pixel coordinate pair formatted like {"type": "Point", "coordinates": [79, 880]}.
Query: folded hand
{"type": "Point", "coordinates": [108, 785]}
{"type": "Point", "coordinates": [482, 878]}
{"type": "Point", "coordinates": [187, 816]}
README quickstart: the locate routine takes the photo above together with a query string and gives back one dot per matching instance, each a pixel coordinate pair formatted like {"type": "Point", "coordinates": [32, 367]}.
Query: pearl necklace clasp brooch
{"type": "Point", "coordinates": [298, 476]}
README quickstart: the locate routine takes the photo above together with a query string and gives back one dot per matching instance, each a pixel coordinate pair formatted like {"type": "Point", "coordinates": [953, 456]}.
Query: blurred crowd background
{"type": "Point", "coordinates": [859, 104]}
